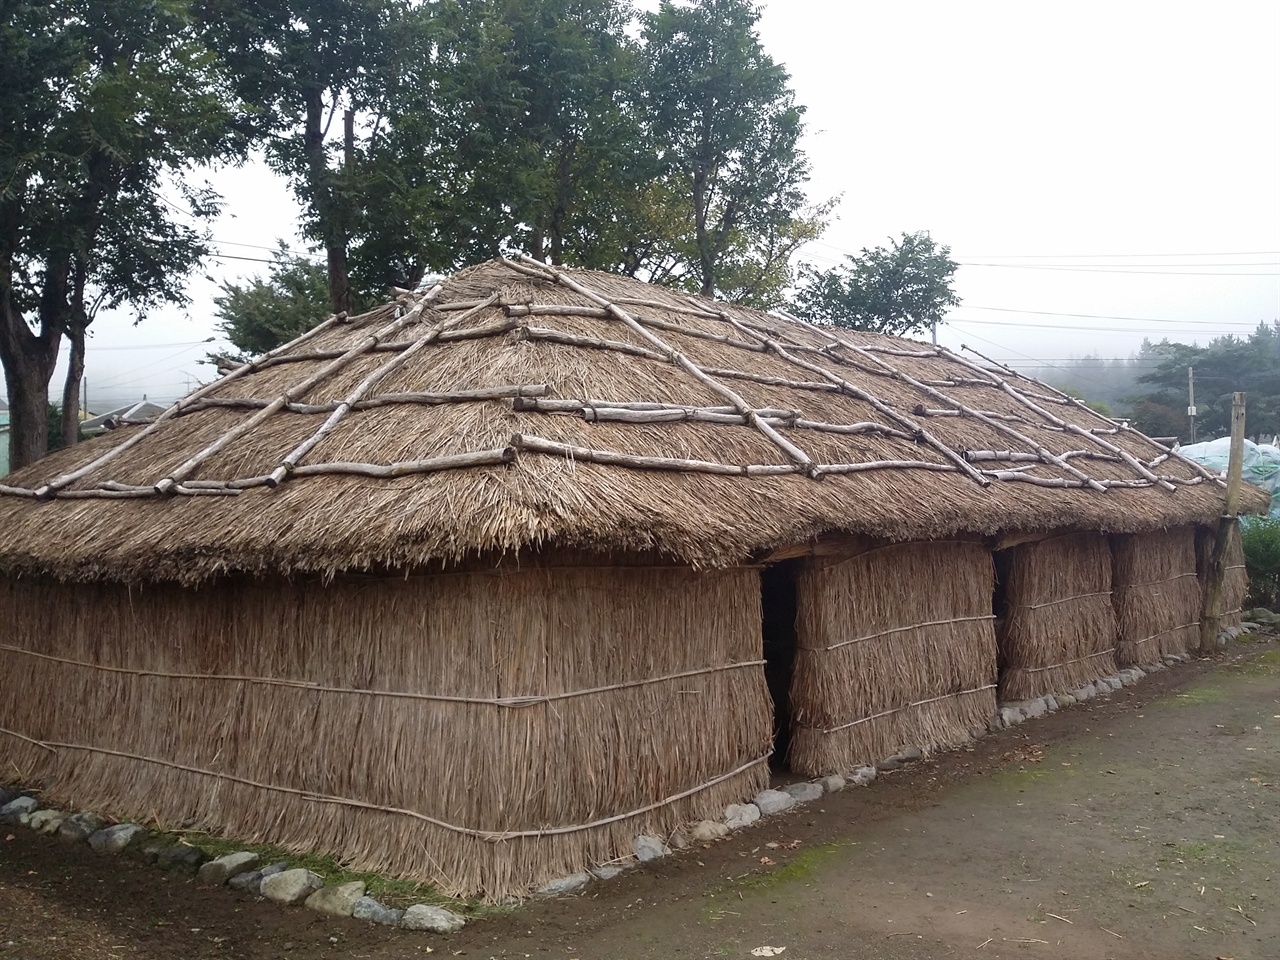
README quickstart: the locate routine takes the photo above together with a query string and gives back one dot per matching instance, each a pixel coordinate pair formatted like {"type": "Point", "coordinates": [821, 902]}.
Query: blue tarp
{"type": "Point", "coordinates": [1261, 465]}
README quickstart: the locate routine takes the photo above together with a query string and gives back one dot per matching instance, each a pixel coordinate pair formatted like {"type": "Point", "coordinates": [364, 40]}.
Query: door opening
{"type": "Point", "coordinates": [778, 628]}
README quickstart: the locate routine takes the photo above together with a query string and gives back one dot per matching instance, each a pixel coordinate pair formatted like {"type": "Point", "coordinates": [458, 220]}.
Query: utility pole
{"type": "Point", "coordinates": [1211, 614]}
{"type": "Point", "coordinates": [935, 332]}
{"type": "Point", "coordinates": [1191, 400]}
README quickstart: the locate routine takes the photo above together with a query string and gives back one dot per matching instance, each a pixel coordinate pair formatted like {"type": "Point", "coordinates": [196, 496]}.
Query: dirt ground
{"type": "Point", "coordinates": [1140, 825]}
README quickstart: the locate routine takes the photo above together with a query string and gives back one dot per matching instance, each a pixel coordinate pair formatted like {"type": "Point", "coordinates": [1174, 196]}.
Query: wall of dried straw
{"type": "Point", "coordinates": [1157, 594]}
{"type": "Point", "coordinates": [895, 648]}
{"type": "Point", "coordinates": [1058, 630]}
{"type": "Point", "coordinates": [562, 763]}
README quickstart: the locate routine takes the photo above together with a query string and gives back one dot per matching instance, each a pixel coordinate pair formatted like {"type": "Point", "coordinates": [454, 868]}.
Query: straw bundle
{"type": "Point", "coordinates": [276, 698]}
{"type": "Point", "coordinates": [895, 649]}
{"type": "Point", "coordinates": [1059, 626]}
{"type": "Point", "coordinates": [1157, 595]}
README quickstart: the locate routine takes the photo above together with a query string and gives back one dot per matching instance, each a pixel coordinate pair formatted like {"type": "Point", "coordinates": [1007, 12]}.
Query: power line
{"type": "Point", "coordinates": [1121, 270]}
{"type": "Point", "coordinates": [1067, 326]}
{"type": "Point", "coordinates": [1118, 256]}
{"type": "Point", "coordinates": [1099, 316]}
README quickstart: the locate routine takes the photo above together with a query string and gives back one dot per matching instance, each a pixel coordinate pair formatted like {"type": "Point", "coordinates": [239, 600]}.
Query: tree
{"type": "Point", "coordinates": [107, 105]}
{"type": "Point", "coordinates": [899, 289]}
{"type": "Point", "coordinates": [727, 128]}
{"type": "Point", "coordinates": [1228, 364]}
{"type": "Point", "coordinates": [262, 314]}
{"type": "Point", "coordinates": [301, 66]}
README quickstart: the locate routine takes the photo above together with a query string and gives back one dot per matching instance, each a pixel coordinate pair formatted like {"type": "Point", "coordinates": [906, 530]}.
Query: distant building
{"type": "Point", "coordinates": [144, 409]}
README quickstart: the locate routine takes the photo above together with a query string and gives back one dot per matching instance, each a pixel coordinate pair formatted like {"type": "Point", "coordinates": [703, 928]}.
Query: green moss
{"type": "Point", "coordinates": [1264, 665]}
{"type": "Point", "coordinates": [1197, 696]}
{"type": "Point", "coordinates": [390, 891]}
{"type": "Point", "coordinates": [801, 867]}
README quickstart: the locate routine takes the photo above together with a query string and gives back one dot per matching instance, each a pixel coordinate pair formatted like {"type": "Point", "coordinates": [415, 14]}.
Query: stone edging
{"type": "Point", "coordinates": [240, 871]}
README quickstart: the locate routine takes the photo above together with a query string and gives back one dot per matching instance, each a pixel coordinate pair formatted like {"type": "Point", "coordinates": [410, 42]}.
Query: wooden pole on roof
{"type": "Point", "coordinates": [1211, 616]}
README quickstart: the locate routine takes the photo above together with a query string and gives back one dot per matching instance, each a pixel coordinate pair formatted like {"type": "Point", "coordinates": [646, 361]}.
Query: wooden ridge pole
{"type": "Point", "coordinates": [1211, 614]}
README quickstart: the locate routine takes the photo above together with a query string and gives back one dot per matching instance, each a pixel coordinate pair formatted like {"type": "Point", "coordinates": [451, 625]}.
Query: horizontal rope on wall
{"type": "Point", "coordinates": [1066, 663]}
{"type": "Point", "coordinates": [909, 706]}
{"type": "Point", "coordinates": [525, 701]}
{"type": "Point", "coordinates": [1051, 603]}
{"type": "Point", "coordinates": [913, 626]}
{"type": "Point", "coordinates": [490, 836]}
{"type": "Point", "coordinates": [1157, 583]}
{"type": "Point", "coordinates": [1157, 636]}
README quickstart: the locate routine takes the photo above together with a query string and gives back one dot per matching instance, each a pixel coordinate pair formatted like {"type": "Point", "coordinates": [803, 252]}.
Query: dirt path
{"type": "Point", "coordinates": [1142, 825]}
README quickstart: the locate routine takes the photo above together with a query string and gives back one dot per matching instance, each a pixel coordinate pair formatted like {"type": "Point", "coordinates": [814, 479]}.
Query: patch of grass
{"type": "Point", "coordinates": [1210, 856]}
{"type": "Point", "coordinates": [1264, 665]}
{"type": "Point", "coordinates": [801, 867]}
{"type": "Point", "coordinates": [1197, 696]}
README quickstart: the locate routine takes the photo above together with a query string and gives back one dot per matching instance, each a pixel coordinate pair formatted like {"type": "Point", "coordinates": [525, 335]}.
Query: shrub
{"type": "Point", "coordinates": [1261, 540]}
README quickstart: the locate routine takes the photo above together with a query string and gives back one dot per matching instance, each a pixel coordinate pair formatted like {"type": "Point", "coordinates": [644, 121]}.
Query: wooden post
{"type": "Point", "coordinates": [1211, 615]}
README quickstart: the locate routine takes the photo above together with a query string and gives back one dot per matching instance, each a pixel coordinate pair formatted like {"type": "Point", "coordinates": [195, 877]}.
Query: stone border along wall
{"type": "Point", "coordinates": [241, 871]}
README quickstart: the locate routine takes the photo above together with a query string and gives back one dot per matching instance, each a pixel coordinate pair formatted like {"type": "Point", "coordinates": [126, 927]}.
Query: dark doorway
{"type": "Point", "coordinates": [778, 609]}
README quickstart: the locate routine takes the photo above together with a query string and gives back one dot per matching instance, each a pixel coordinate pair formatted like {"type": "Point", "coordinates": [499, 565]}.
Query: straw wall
{"type": "Point", "coordinates": [1059, 627]}
{"type": "Point", "coordinates": [1157, 594]}
{"type": "Point", "coordinates": [895, 648]}
{"type": "Point", "coordinates": [323, 760]}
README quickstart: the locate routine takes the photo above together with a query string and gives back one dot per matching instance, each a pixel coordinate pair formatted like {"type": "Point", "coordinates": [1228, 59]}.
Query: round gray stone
{"type": "Point", "coordinates": [704, 831]}
{"type": "Point", "coordinates": [291, 886]}
{"type": "Point", "coordinates": [832, 784]}
{"type": "Point", "coordinates": [862, 776]}
{"type": "Point", "coordinates": [738, 815]}
{"type": "Point", "coordinates": [563, 886]}
{"type": "Point", "coordinates": [802, 792]}
{"type": "Point", "coordinates": [79, 826]}
{"type": "Point", "coordinates": [770, 802]}
{"type": "Point", "coordinates": [224, 868]}
{"type": "Point", "coordinates": [112, 840]}
{"type": "Point", "coordinates": [424, 916]}
{"type": "Point", "coordinates": [338, 899]}
{"type": "Point", "coordinates": [367, 908]}
{"type": "Point", "coordinates": [648, 847]}
{"type": "Point", "coordinates": [248, 882]}
{"type": "Point", "coordinates": [182, 858]}
{"type": "Point", "coordinates": [46, 821]}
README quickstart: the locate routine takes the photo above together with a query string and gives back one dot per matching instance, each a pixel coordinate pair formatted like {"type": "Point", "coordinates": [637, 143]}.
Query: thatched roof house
{"type": "Point", "coordinates": [469, 587]}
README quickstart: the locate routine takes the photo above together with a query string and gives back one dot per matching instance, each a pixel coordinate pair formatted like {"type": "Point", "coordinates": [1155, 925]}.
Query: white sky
{"type": "Point", "coordinates": [1132, 150]}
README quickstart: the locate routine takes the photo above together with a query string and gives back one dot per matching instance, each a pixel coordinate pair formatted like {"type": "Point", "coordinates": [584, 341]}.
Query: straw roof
{"type": "Point", "coordinates": [514, 407]}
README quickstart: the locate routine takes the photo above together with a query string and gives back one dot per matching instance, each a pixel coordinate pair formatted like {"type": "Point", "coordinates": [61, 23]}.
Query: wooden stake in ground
{"type": "Point", "coordinates": [1211, 619]}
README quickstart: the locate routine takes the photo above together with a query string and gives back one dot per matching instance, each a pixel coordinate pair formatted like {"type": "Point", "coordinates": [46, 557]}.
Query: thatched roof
{"type": "Point", "coordinates": [513, 407]}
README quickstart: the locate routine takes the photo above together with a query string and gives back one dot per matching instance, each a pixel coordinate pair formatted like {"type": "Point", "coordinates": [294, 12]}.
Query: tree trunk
{"type": "Point", "coordinates": [71, 388]}
{"type": "Point", "coordinates": [28, 359]}
{"type": "Point", "coordinates": [560, 213]}
{"type": "Point", "coordinates": [325, 199]}
{"type": "Point", "coordinates": [706, 261]}
{"type": "Point", "coordinates": [27, 381]}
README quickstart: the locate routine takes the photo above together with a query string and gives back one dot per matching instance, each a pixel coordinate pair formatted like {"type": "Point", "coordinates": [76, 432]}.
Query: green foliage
{"type": "Point", "coordinates": [726, 127]}
{"type": "Point", "coordinates": [107, 105]}
{"type": "Point", "coordinates": [899, 289]}
{"type": "Point", "coordinates": [262, 314]}
{"type": "Point", "coordinates": [1227, 365]}
{"type": "Point", "coordinates": [1260, 537]}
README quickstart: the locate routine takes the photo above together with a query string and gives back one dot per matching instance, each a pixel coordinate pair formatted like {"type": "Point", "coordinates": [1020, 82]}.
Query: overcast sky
{"type": "Point", "coordinates": [1103, 171]}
